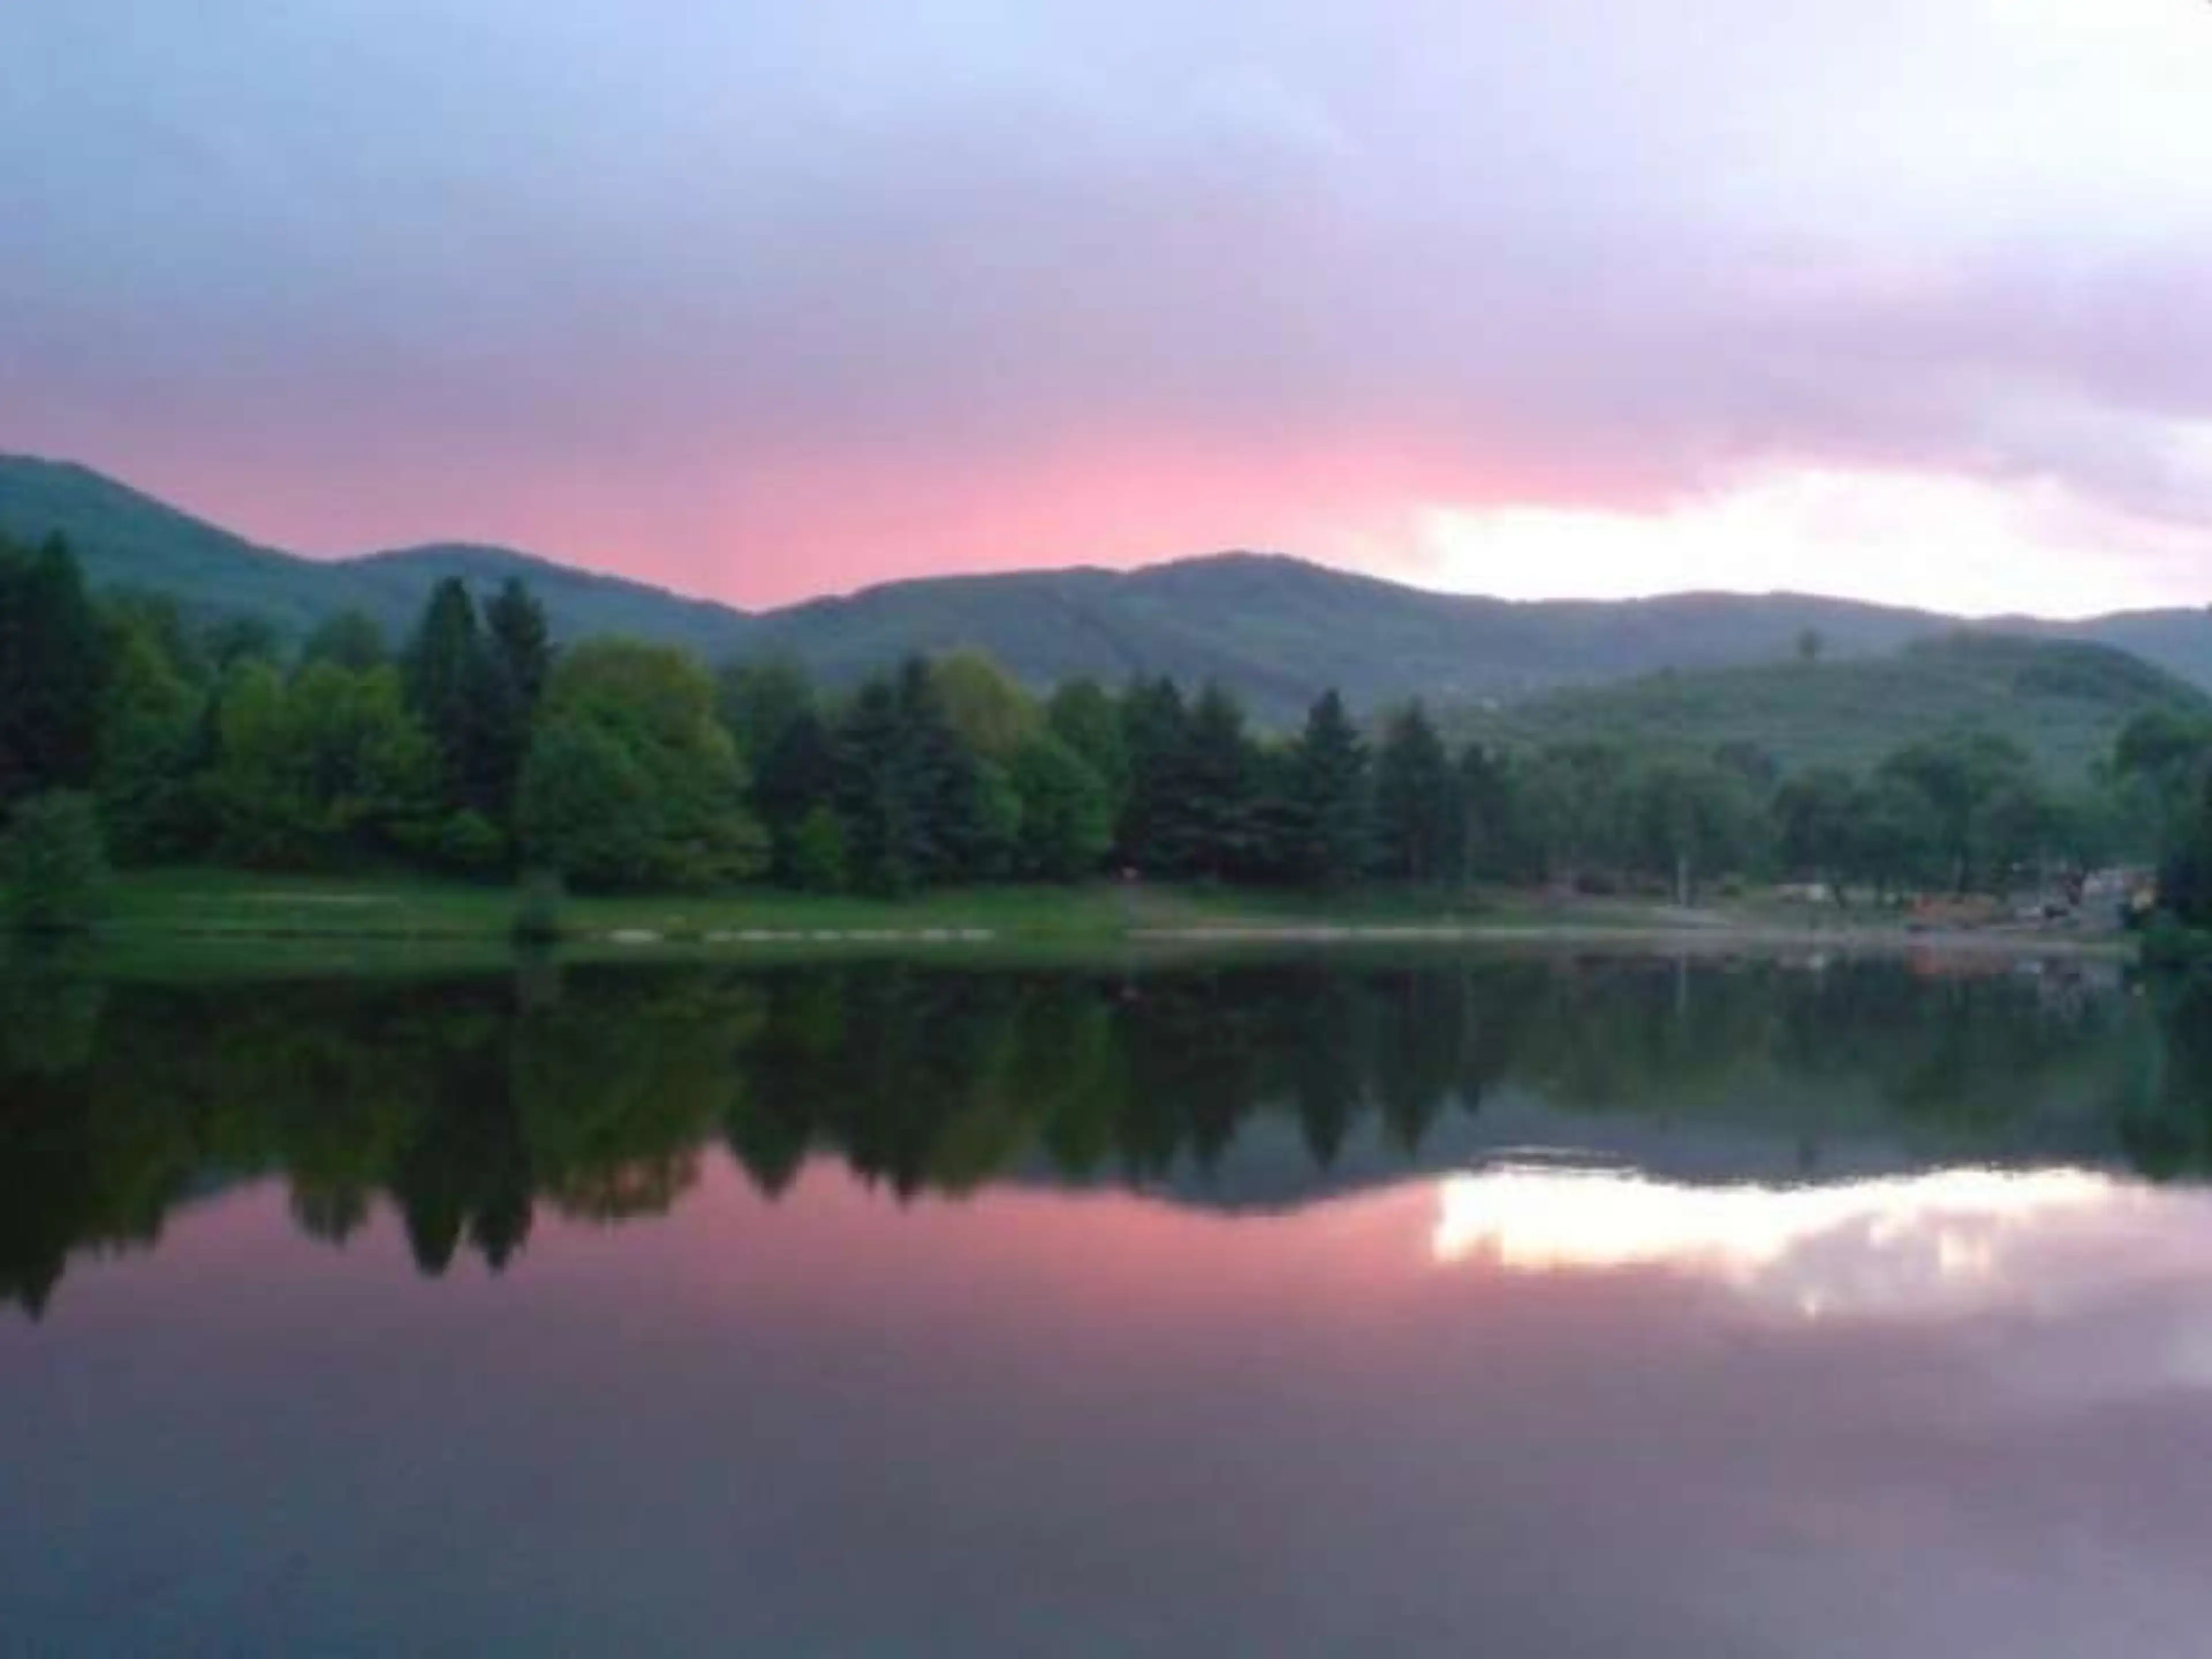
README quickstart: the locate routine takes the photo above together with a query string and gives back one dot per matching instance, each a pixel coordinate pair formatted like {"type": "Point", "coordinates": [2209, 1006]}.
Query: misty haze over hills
{"type": "Point", "coordinates": [1275, 629]}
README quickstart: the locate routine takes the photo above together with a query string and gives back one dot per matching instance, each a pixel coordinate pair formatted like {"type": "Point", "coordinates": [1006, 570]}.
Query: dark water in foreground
{"type": "Point", "coordinates": [1543, 1307]}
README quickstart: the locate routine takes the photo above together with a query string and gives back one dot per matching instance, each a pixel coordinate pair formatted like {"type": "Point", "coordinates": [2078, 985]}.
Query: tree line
{"type": "Point", "coordinates": [476, 747]}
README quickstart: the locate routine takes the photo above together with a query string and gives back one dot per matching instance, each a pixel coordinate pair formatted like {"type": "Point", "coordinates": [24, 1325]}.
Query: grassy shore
{"type": "Point", "coordinates": [214, 903]}
{"type": "Point", "coordinates": [340, 917]}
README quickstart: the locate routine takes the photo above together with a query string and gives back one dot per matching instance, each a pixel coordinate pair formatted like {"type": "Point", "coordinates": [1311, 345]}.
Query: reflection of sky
{"type": "Point", "coordinates": [2106, 1280]}
{"type": "Point", "coordinates": [1042, 1423]}
{"type": "Point", "coordinates": [1915, 1244]}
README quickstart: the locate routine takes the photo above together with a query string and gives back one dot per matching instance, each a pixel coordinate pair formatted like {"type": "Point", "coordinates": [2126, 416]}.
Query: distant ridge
{"type": "Point", "coordinates": [1276, 628]}
{"type": "Point", "coordinates": [129, 539]}
{"type": "Point", "coordinates": [2065, 702]}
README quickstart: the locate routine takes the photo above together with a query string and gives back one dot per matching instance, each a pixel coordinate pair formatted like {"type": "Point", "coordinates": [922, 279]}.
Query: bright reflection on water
{"type": "Point", "coordinates": [1538, 1307]}
{"type": "Point", "coordinates": [1905, 1244]}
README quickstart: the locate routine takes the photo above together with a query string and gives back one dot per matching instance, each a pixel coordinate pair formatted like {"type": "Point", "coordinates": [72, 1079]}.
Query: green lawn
{"type": "Point", "coordinates": [196, 921]}
{"type": "Point", "coordinates": [216, 903]}
{"type": "Point", "coordinates": [228, 901]}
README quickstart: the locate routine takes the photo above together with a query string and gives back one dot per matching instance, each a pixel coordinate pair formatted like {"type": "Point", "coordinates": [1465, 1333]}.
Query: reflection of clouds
{"type": "Point", "coordinates": [1953, 1240]}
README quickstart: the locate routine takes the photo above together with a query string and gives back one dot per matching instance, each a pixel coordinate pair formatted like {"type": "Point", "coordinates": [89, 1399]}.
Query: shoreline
{"type": "Point", "coordinates": [236, 915]}
{"type": "Point", "coordinates": [1720, 937]}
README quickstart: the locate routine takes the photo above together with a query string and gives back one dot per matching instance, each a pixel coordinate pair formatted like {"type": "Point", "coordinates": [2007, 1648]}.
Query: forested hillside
{"type": "Point", "coordinates": [131, 542]}
{"type": "Point", "coordinates": [2062, 703]}
{"type": "Point", "coordinates": [482, 748]}
{"type": "Point", "coordinates": [1275, 630]}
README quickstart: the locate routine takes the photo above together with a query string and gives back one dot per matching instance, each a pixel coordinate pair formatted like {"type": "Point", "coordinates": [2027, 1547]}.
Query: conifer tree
{"type": "Point", "coordinates": [1155, 732]}
{"type": "Point", "coordinates": [519, 660]}
{"type": "Point", "coordinates": [53, 670]}
{"type": "Point", "coordinates": [1214, 819]}
{"type": "Point", "coordinates": [1420, 834]}
{"type": "Point", "coordinates": [1329, 802]}
{"type": "Point", "coordinates": [448, 674]}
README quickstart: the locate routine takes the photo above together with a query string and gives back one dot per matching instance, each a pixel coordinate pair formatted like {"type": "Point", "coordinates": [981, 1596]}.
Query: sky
{"type": "Point", "coordinates": [1903, 300]}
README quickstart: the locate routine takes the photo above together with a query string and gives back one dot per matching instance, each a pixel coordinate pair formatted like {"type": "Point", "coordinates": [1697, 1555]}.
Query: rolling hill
{"type": "Point", "coordinates": [1277, 629]}
{"type": "Point", "coordinates": [2063, 702]}
{"type": "Point", "coordinates": [1281, 630]}
{"type": "Point", "coordinates": [129, 540]}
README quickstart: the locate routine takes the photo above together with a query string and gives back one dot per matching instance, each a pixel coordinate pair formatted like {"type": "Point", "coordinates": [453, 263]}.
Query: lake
{"type": "Point", "coordinates": [1541, 1304]}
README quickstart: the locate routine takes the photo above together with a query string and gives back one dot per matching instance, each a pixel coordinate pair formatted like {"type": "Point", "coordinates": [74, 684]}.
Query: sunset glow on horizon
{"type": "Point", "coordinates": [1892, 302]}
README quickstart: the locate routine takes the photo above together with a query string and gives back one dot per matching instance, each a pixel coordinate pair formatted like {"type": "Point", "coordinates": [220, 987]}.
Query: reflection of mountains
{"type": "Point", "coordinates": [469, 1104]}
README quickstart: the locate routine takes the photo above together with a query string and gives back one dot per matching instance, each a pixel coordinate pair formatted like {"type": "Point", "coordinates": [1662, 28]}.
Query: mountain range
{"type": "Point", "coordinates": [1276, 629]}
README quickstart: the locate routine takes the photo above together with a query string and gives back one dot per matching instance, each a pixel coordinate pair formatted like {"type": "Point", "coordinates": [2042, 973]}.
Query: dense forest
{"type": "Point", "coordinates": [2065, 701]}
{"type": "Point", "coordinates": [473, 747]}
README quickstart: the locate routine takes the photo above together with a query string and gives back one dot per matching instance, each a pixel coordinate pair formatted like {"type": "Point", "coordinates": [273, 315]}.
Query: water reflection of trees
{"type": "Point", "coordinates": [467, 1104]}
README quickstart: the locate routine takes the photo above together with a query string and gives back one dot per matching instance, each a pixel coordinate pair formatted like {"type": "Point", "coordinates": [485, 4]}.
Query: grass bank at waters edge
{"type": "Point", "coordinates": [332, 920]}
{"type": "Point", "coordinates": [214, 903]}
{"type": "Point", "coordinates": [228, 903]}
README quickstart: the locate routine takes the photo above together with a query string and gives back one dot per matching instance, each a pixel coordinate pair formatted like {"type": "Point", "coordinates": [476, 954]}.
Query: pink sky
{"type": "Point", "coordinates": [1568, 297]}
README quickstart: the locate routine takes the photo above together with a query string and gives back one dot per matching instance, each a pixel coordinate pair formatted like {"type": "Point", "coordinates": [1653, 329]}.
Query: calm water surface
{"type": "Point", "coordinates": [1538, 1307]}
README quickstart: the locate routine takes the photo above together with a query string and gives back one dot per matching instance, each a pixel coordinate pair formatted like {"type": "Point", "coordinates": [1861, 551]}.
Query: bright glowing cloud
{"type": "Point", "coordinates": [1949, 542]}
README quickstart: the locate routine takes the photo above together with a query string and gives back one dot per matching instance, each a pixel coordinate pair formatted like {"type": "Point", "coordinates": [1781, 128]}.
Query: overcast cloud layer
{"type": "Point", "coordinates": [1903, 298]}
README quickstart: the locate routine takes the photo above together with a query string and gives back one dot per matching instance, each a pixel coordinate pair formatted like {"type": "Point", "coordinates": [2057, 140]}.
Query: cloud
{"type": "Point", "coordinates": [1007, 272]}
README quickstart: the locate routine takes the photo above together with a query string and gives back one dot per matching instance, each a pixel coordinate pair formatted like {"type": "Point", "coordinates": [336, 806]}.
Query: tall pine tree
{"type": "Point", "coordinates": [54, 671]}
{"type": "Point", "coordinates": [1419, 831]}
{"type": "Point", "coordinates": [518, 661]}
{"type": "Point", "coordinates": [1213, 822]}
{"type": "Point", "coordinates": [954, 838]}
{"type": "Point", "coordinates": [1329, 804]}
{"type": "Point", "coordinates": [1155, 732]}
{"type": "Point", "coordinates": [449, 679]}
{"type": "Point", "coordinates": [877, 796]}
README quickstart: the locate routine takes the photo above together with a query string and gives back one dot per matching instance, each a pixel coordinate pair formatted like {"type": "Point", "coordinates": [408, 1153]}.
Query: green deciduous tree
{"type": "Point", "coordinates": [1082, 714]}
{"type": "Point", "coordinates": [1577, 809]}
{"type": "Point", "coordinates": [2184, 876]}
{"type": "Point", "coordinates": [1980, 789]}
{"type": "Point", "coordinates": [326, 768]}
{"type": "Point", "coordinates": [2161, 764]}
{"type": "Point", "coordinates": [148, 747]}
{"type": "Point", "coordinates": [814, 859]}
{"type": "Point", "coordinates": [587, 809]}
{"type": "Point", "coordinates": [1066, 825]}
{"type": "Point", "coordinates": [1895, 837]}
{"type": "Point", "coordinates": [54, 864]}
{"type": "Point", "coordinates": [993, 715]}
{"type": "Point", "coordinates": [1813, 825]}
{"type": "Point", "coordinates": [631, 780]}
{"type": "Point", "coordinates": [1692, 818]}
